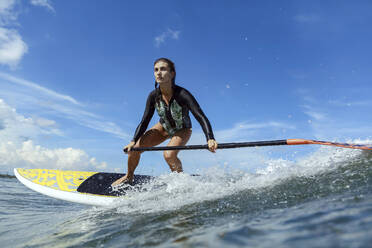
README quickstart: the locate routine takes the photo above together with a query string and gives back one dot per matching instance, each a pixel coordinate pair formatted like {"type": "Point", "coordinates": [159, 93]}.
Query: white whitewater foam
{"type": "Point", "coordinates": [173, 191]}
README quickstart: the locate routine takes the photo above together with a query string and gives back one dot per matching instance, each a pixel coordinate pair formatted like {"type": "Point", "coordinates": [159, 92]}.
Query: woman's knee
{"type": "Point", "coordinates": [134, 154]}
{"type": "Point", "coordinates": [170, 155]}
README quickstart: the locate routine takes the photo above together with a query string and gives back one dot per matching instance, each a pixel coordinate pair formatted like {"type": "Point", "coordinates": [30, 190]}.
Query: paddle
{"type": "Point", "coordinates": [254, 144]}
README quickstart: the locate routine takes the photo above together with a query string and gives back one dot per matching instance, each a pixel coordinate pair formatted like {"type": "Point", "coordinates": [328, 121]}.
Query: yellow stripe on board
{"type": "Point", "coordinates": [56, 179]}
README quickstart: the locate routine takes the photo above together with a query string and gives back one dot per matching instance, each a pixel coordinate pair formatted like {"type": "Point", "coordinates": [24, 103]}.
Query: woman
{"type": "Point", "coordinates": [173, 104]}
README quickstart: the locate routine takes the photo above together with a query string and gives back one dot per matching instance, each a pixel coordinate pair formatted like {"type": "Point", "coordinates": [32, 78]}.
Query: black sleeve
{"type": "Point", "coordinates": [147, 115]}
{"type": "Point", "coordinates": [198, 114]}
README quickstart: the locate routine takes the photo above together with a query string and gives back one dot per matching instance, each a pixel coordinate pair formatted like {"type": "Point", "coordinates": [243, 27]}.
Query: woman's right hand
{"type": "Point", "coordinates": [128, 147]}
{"type": "Point", "coordinates": [212, 145]}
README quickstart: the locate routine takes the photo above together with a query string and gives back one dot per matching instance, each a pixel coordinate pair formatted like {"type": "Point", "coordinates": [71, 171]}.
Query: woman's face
{"type": "Point", "coordinates": [162, 73]}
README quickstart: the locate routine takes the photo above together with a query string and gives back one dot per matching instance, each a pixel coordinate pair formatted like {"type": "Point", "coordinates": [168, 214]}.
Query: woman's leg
{"type": "Point", "coordinates": [179, 139]}
{"type": "Point", "coordinates": [152, 137]}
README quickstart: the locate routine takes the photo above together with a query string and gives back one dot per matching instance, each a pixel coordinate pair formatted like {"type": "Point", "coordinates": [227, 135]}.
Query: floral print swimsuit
{"type": "Point", "coordinates": [175, 116]}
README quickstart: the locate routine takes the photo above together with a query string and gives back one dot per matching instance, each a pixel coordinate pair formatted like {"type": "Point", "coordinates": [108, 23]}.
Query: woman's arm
{"type": "Point", "coordinates": [147, 115]}
{"type": "Point", "coordinates": [198, 114]}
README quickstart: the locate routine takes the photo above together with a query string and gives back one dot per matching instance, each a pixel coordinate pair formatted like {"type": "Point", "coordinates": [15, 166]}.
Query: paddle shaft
{"type": "Point", "coordinates": [254, 144]}
{"type": "Point", "coordinates": [220, 146]}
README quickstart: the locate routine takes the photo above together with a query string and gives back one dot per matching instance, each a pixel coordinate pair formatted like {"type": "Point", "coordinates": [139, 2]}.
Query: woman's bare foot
{"type": "Point", "coordinates": [121, 180]}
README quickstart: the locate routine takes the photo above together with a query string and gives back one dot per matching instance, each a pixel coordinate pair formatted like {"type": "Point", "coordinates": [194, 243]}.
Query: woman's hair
{"type": "Point", "coordinates": [172, 69]}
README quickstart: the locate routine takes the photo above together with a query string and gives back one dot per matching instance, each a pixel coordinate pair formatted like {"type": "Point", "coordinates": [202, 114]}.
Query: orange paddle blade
{"type": "Point", "coordinates": [327, 143]}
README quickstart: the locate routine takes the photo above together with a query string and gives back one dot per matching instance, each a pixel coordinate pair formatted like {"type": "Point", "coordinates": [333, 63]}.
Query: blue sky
{"type": "Point", "coordinates": [74, 76]}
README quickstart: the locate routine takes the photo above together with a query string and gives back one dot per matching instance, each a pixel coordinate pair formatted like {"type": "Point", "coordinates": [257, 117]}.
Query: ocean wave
{"type": "Point", "coordinates": [279, 182]}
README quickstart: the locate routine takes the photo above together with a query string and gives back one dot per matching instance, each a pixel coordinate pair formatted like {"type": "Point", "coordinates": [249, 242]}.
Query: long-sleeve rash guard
{"type": "Point", "coordinates": [175, 116]}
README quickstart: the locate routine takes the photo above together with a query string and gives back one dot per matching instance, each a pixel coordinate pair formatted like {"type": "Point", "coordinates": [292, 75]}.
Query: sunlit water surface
{"type": "Point", "coordinates": [323, 200]}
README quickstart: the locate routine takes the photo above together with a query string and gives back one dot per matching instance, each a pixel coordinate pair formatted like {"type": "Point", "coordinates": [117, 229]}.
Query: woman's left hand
{"type": "Point", "coordinates": [212, 145]}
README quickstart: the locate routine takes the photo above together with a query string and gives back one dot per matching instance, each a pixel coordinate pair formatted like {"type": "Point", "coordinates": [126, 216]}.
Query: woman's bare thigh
{"type": "Point", "coordinates": [152, 137]}
{"type": "Point", "coordinates": [180, 138]}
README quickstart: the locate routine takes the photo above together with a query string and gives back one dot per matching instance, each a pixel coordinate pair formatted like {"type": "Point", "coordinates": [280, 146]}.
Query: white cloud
{"type": "Point", "coordinates": [44, 122]}
{"type": "Point", "coordinates": [17, 148]}
{"type": "Point", "coordinates": [28, 155]}
{"type": "Point", "coordinates": [7, 14]}
{"type": "Point", "coordinates": [50, 93]}
{"type": "Point", "coordinates": [12, 47]}
{"type": "Point", "coordinates": [43, 3]}
{"type": "Point", "coordinates": [338, 118]}
{"type": "Point", "coordinates": [5, 5]}
{"type": "Point", "coordinates": [64, 106]}
{"type": "Point", "coordinates": [354, 103]}
{"type": "Point", "coordinates": [316, 115]}
{"type": "Point", "coordinates": [15, 127]}
{"type": "Point", "coordinates": [174, 34]}
{"type": "Point", "coordinates": [246, 159]}
{"type": "Point", "coordinates": [169, 34]}
{"type": "Point", "coordinates": [243, 158]}
{"type": "Point", "coordinates": [307, 18]}
{"type": "Point", "coordinates": [245, 130]}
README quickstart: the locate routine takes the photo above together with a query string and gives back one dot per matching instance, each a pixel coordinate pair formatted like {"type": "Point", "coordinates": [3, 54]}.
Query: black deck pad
{"type": "Point", "coordinates": [100, 184]}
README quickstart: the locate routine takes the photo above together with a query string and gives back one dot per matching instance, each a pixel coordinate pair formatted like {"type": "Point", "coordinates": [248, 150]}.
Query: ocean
{"type": "Point", "coordinates": [320, 200]}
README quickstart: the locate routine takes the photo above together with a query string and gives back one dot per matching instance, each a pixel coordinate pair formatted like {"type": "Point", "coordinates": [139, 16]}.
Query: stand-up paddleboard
{"type": "Point", "coordinates": [91, 188]}
{"type": "Point", "coordinates": [94, 188]}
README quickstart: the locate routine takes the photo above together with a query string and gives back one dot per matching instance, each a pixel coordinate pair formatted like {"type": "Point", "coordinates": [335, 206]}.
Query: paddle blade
{"type": "Point", "coordinates": [327, 143]}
